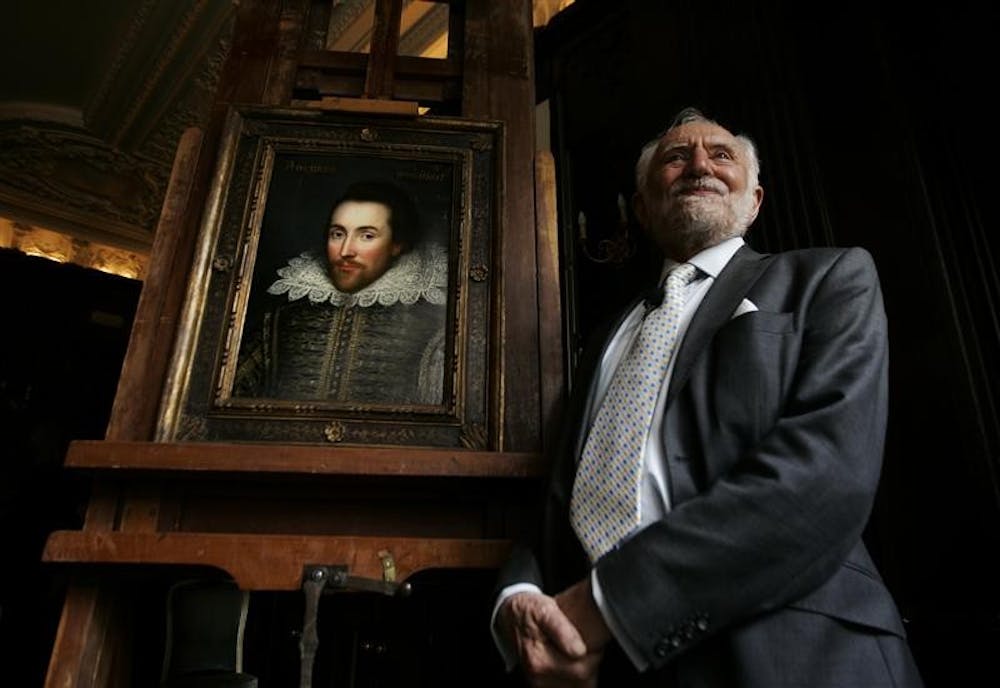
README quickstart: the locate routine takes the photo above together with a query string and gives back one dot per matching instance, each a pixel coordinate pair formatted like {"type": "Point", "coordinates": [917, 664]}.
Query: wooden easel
{"type": "Point", "coordinates": [154, 503]}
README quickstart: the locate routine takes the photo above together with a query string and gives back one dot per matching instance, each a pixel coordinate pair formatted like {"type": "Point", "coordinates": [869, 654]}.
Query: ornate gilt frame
{"type": "Point", "coordinates": [198, 403]}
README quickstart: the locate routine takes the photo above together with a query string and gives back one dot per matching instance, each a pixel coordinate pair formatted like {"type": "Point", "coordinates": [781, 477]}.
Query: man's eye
{"type": "Point", "coordinates": [723, 155]}
{"type": "Point", "coordinates": [674, 157]}
{"type": "Point", "coordinates": [336, 234]}
{"type": "Point", "coordinates": [368, 236]}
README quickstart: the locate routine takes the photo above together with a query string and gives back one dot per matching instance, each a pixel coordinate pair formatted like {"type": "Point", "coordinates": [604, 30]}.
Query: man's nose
{"type": "Point", "coordinates": [347, 246]}
{"type": "Point", "coordinates": [699, 164]}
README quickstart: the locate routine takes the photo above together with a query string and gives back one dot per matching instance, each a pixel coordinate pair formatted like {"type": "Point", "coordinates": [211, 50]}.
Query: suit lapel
{"type": "Point", "coordinates": [730, 287]}
{"type": "Point", "coordinates": [589, 370]}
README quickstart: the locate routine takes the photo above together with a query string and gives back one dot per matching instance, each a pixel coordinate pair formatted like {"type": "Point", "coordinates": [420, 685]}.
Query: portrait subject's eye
{"type": "Point", "coordinates": [337, 233]}
{"type": "Point", "coordinates": [722, 154]}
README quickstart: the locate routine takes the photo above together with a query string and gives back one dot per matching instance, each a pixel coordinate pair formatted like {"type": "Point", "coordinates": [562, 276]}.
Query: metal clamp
{"type": "Point", "coordinates": [336, 578]}
{"type": "Point", "coordinates": [320, 579]}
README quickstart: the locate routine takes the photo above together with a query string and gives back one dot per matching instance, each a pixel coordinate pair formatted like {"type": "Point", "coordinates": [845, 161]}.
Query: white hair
{"type": "Point", "coordinates": [686, 115]}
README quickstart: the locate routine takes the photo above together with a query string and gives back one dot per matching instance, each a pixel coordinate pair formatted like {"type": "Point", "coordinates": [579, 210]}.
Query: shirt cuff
{"type": "Point", "coordinates": [614, 625]}
{"type": "Point", "coordinates": [508, 654]}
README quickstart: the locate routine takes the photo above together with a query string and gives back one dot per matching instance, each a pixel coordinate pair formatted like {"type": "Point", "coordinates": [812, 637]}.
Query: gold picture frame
{"type": "Point", "coordinates": [275, 347]}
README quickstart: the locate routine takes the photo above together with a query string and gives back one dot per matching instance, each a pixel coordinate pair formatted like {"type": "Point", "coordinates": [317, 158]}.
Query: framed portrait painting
{"type": "Point", "coordinates": [345, 285]}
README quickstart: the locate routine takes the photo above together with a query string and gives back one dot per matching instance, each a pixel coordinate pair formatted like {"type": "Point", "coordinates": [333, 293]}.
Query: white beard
{"type": "Point", "coordinates": [698, 222]}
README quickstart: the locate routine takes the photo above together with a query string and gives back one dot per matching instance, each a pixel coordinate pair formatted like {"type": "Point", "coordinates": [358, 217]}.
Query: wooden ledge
{"type": "Point", "coordinates": [368, 106]}
{"type": "Point", "coordinates": [309, 459]}
{"type": "Point", "coordinates": [273, 562]}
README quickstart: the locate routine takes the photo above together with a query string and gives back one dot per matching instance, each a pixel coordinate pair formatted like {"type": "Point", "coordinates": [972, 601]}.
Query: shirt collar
{"type": "Point", "coordinates": [418, 274]}
{"type": "Point", "coordinates": [710, 260]}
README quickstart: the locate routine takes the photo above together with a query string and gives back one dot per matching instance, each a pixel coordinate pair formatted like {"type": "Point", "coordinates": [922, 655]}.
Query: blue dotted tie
{"type": "Point", "coordinates": [605, 504]}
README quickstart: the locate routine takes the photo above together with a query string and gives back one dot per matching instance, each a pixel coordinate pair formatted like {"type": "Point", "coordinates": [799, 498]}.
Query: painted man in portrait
{"type": "Point", "coordinates": [360, 321]}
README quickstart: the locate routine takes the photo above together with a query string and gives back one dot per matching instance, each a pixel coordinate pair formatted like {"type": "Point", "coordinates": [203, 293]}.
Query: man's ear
{"type": "Point", "coordinates": [758, 194]}
{"type": "Point", "coordinates": [397, 248]}
{"type": "Point", "coordinates": [639, 206]}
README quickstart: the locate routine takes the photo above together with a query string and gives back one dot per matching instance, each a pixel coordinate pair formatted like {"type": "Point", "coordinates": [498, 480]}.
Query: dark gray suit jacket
{"type": "Point", "coordinates": [773, 436]}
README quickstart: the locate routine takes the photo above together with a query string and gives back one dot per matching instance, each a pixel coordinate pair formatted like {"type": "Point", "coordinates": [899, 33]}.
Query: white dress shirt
{"type": "Point", "coordinates": [655, 492]}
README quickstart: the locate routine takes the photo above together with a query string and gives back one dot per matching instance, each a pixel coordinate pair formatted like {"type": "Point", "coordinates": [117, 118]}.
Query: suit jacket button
{"type": "Point", "coordinates": [702, 623]}
{"type": "Point", "coordinates": [676, 640]}
{"type": "Point", "coordinates": [662, 648]}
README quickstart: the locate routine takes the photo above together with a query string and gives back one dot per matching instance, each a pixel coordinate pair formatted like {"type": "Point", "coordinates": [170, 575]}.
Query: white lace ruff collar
{"type": "Point", "coordinates": [418, 274]}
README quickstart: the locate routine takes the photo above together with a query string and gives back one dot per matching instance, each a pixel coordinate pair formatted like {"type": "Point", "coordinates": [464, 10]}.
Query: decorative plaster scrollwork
{"type": "Point", "coordinates": [77, 172]}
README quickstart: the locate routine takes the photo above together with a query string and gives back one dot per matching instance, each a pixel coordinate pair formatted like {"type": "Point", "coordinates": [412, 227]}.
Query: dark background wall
{"type": "Point", "coordinates": [64, 332]}
{"type": "Point", "coordinates": [873, 121]}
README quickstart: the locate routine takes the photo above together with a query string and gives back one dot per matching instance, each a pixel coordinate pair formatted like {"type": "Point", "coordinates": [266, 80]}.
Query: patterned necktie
{"type": "Point", "coordinates": [605, 504]}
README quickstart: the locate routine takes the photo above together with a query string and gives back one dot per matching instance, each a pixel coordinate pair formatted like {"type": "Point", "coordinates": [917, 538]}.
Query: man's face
{"type": "Point", "coordinates": [698, 191]}
{"type": "Point", "coordinates": [359, 245]}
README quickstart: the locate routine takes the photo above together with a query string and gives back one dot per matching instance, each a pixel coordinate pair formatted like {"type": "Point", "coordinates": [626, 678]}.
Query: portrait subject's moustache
{"type": "Point", "coordinates": [347, 264]}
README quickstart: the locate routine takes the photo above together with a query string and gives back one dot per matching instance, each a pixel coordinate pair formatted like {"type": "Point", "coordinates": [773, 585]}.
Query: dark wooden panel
{"type": "Point", "coordinates": [499, 85]}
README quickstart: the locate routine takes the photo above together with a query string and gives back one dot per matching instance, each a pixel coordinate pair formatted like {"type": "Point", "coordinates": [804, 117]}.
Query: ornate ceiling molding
{"type": "Point", "coordinates": [99, 172]}
{"type": "Point", "coordinates": [76, 179]}
{"type": "Point", "coordinates": [193, 105]}
{"type": "Point", "coordinates": [42, 112]}
{"type": "Point", "coordinates": [98, 102]}
{"type": "Point", "coordinates": [164, 51]}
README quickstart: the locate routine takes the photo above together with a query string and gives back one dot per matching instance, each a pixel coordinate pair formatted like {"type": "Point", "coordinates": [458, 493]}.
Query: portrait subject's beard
{"type": "Point", "coordinates": [350, 276]}
{"type": "Point", "coordinates": [690, 223]}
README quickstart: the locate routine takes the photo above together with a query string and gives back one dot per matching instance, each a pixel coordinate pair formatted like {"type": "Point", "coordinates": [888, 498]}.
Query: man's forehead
{"type": "Point", "coordinates": [374, 210]}
{"type": "Point", "coordinates": [693, 133]}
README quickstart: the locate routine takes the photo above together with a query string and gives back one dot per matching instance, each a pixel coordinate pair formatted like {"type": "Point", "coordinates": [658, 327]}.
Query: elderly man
{"type": "Point", "coordinates": [703, 523]}
{"type": "Point", "coordinates": [361, 322]}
